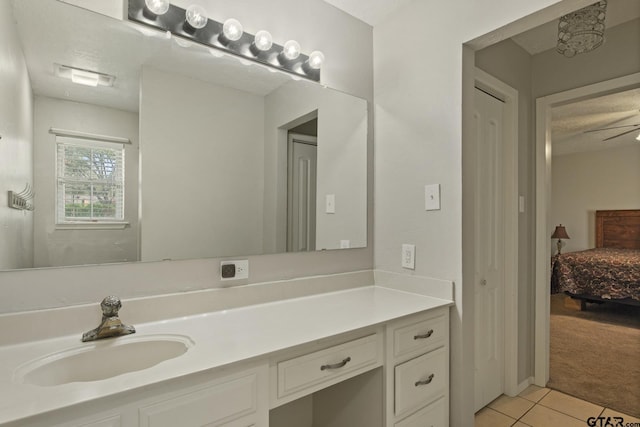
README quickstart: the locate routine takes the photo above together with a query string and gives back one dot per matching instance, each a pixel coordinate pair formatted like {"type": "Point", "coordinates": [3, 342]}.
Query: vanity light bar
{"type": "Point", "coordinates": [259, 48]}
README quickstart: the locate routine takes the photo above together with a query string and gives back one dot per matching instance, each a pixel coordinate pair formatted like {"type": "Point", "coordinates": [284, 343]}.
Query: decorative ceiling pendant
{"type": "Point", "coordinates": [583, 30]}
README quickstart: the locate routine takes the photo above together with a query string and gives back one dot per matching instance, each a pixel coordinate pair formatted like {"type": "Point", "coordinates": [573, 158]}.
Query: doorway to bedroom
{"type": "Point", "coordinates": [595, 195]}
{"type": "Point", "coordinates": [540, 74]}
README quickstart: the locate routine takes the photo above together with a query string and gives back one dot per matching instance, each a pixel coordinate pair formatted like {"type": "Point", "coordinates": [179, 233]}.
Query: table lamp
{"type": "Point", "coordinates": [560, 233]}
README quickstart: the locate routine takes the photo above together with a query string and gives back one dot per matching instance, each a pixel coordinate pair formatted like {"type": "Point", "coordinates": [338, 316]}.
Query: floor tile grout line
{"type": "Point", "coordinates": [528, 410]}
{"type": "Point", "coordinates": [534, 401]}
{"type": "Point", "coordinates": [568, 415]}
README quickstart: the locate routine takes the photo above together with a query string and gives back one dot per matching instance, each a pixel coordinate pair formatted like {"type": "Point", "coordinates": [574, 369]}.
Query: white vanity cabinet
{"type": "Point", "coordinates": [238, 399]}
{"type": "Point", "coordinates": [380, 360]}
{"type": "Point", "coordinates": [417, 370]}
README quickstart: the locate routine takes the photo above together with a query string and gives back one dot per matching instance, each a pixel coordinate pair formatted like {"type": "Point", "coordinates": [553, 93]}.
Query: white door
{"type": "Point", "coordinates": [301, 222]}
{"type": "Point", "coordinates": [489, 250]}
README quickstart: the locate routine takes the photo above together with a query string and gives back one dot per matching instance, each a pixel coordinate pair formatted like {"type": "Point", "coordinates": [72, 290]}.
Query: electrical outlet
{"type": "Point", "coordinates": [345, 244]}
{"type": "Point", "coordinates": [409, 256]}
{"type": "Point", "coordinates": [241, 269]}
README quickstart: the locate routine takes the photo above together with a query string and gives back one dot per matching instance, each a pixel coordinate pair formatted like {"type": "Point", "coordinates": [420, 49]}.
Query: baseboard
{"type": "Point", "coordinates": [524, 384]}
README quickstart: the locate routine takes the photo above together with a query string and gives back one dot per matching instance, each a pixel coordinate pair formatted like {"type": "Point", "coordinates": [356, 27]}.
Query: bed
{"type": "Point", "coordinates": [610, 271]}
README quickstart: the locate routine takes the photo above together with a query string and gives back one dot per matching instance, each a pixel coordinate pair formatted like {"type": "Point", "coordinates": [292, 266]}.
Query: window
{"type": "Point", "coordinates": [90, 180]}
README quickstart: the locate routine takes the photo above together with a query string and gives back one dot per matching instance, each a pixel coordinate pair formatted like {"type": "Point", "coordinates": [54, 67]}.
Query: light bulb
{"type": "Point", "coordinates": [638, 137]}
{"type": "Point", "coordinates": [157, 7]}
{"type": "Point", "coordinates": [316, 59]}
{"type": "Point", "coordinates": [232, 29]}
{"type": "Point", "coordinates": [263, 40]}
{"type": "Point", "coordinates": [84, 77]}
{"type": "Point", "coordinates": [196, 16]}
{"type": "Point", "coordinates": [291, 50]}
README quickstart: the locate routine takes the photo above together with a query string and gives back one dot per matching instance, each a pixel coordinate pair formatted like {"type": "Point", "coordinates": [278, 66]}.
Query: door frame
{"type": "Point", "coordinates": [291, 139]}
{"type": "Point", "coordinates": [509, 95]}
{"type": "Point", "coordinates": [543, 205]}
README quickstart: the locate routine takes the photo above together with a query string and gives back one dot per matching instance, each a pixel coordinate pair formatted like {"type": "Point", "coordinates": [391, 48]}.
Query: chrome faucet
{"type": "Point", "coordinates": [111, 326]}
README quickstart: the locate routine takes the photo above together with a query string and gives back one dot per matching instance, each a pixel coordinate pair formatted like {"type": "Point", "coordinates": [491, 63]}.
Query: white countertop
{"type": "Point", "coordinates": [221, 338]}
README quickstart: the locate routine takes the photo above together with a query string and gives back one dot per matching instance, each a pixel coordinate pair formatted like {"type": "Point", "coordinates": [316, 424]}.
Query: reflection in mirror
{"type": "Point", "coordinates": [185, 154]}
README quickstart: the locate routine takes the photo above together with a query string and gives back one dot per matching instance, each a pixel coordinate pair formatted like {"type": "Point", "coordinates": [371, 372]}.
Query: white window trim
{"type": "Point", "coordinates": [85, 225]}
{"type": "Point", "coordinates": [80, 138]}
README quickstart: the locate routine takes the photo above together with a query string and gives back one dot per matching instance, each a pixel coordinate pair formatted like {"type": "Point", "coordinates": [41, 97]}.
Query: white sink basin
{"type": "Point", "coordinates": [103, 359]}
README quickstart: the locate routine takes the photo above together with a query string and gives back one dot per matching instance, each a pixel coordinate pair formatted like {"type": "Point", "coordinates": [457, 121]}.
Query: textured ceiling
{"type": "Point", "coordinates": [55, 32]}
{"type": "Point", "coordinates": [571, 121]}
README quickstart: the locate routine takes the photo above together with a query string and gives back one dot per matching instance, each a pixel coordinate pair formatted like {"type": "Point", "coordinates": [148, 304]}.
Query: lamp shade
{"type": "Point", "coordinates": [560, 233]}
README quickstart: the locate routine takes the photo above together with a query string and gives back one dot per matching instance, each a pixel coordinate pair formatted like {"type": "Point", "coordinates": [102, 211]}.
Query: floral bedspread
{"type": "Point", "coordinates": [602, 272]}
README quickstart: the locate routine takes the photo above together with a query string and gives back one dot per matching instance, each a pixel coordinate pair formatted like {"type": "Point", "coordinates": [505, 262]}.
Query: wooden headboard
{"type": "Point", "coordinates": [618, 229]}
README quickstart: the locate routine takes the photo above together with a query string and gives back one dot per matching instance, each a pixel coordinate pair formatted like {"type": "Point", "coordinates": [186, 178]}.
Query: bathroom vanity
{"type": "Point", "coordinates": [369, 356]}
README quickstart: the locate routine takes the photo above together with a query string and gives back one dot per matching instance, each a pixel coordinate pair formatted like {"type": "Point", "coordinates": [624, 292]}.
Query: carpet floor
{"type": "Point", "coordinates": [595, 354]}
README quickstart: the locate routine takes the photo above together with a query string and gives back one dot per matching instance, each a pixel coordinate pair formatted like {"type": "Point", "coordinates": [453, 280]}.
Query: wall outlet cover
{"type": "Point", "coordinates": [240, 269]}
{"type": "Point", "coordinates": [409, 256]}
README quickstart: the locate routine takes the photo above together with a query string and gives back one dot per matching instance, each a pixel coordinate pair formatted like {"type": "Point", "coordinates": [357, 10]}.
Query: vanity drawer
{"type": "Point", "coordinates": [224, 404]}
{"type": "Point", "coordinates": [420, 337]}
{"type": "Point", "coordinates": [420, 381]}
{"type": "Point", "coordinates": [323, 368]}
{"type": "Point", "coordinates": [434, 415]}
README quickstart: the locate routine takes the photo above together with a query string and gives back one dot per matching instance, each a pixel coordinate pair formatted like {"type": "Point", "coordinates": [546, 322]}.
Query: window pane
{"type": "Point", "coordinates": [105, 165]}
{"type": "Point", "coordinates": [104, 200]}
{"type": "Point", "coordinates": [77, 162]}
{"type": "Point", "coordinates": [90, 182]}
{"type": "Point", "coordinates": [77, 200]}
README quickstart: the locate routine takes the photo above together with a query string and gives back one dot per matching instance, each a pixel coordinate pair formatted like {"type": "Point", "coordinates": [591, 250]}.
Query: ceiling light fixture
{"type": "Point", "coordinates": [84, 77]}
{"type": "Point", "coordinates": [638, 137]}
{"type": "Point", "coordinates": [194, 25]}
{"type": "Point", "coordinates": [582, 31]}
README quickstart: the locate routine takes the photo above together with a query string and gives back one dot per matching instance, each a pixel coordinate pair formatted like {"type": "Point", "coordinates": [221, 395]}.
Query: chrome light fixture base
{"type": "Point", "coordinates": [211, 35]}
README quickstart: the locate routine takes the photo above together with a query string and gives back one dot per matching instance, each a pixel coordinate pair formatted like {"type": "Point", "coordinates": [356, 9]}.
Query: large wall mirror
{"type": "Point", "coordinates": [187, 153]}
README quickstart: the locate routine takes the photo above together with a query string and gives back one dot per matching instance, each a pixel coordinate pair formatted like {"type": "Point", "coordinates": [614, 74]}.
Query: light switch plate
{"type": "Point", "coordinates": [521, 204]}
{"type": "Point", "coordinates": [330, 207]}
{"type": "Point", "coordinates": [432, 197]}
{"type": "Point", "coordinates": [409, 256]}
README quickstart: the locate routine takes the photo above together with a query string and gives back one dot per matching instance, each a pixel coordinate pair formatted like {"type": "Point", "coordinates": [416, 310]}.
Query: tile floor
{"type": "Point", "coordinates": [542, 407]}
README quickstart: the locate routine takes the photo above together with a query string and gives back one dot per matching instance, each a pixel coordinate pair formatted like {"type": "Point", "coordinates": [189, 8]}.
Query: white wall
{"type": "Point", "coordinates": [510, 63]}
{"type": "Point", "coordinates": [589, 181]}
{"type": "Point", "coordinates": [342, 163]}
{"type": "Point", "coordinates": [419, 105]}
{"type": "Point", "coordinates": [194, 138]}
{"type": "Point", "coordinates": [16, 145]}
{"type": "Point", "coordinates": [56, 247]}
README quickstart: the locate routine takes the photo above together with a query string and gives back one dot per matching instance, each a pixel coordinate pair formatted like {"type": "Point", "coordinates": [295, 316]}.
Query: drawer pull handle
{"type": "Point", "coordinates": [425, 382]}
{"type": "Point", "coordinates": [423, 336]}
{"type": "Point", "coordinates": [336, 365]}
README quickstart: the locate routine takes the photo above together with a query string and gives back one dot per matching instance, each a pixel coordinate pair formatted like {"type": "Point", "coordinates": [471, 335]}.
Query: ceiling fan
{"type": "Point", "coordinates": [634, 127]}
